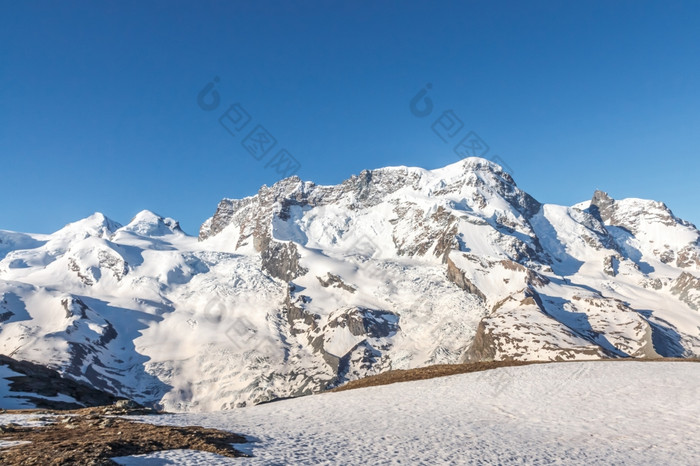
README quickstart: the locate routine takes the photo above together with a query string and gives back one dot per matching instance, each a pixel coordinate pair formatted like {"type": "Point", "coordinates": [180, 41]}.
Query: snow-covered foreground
{"type": "Point", "coordinates": [573, 413]}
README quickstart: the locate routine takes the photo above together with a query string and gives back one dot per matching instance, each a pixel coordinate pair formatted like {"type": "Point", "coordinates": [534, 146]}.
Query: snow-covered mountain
{"type": "Point", "coordinates": [302, 287]}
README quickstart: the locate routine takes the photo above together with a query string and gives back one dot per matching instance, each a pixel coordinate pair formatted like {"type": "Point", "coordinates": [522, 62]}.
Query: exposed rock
{"type": "Point", "coordinates": [687, 288]}
{"type": "Point", "coordinates": [654, 284]}
{"type": "Point", "coordinates": [437, 232]}
{"type": "Point", "coordinates": [456, 276]}
{"type": "Point", "coordinates": [366, 322]}
{"type": "Point", "coordinates": [93, 440]}
{"type": "Point", "coordinates": [689, 256]}
{"type": "Point", "coordinates": [116, 264]}
{"type": "Point", "coordinates": [611, 264]}
{"type": "Point", "coordinates": [37, 383]}
{"type": "Point", "coordinates": [602, 206]}
{"type": "Point", "coordinates": [535, 279]}
{"type": "Point", "coordinates": [335, 281]}
{"type": "Point", "coordinates": [527, 326]}
{"type": "Point", "coordinates": [367, 326]}
{"type": "Point", "coordinates": [281, 260]}
{"type": "Point", "coordinates": [483, 347]}
{"type": "Point", "coordinates": [74, 307]}
{"type": "Point", "coordinates": [632, 214]}
{"type": "Point", "coordinates": [296, 314]}
{"type": "Point", "coordinates": [86, 276]}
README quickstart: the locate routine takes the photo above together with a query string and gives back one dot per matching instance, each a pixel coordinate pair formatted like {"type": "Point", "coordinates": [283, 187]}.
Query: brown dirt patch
{"type": "Point", "coordinates": [443, 370]}
{"type": "Point", "coordinates": [94, 439]}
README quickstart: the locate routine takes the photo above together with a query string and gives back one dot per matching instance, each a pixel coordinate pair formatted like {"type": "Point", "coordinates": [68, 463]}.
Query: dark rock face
{"type": "Point", "coordinates": [45, 382]}
{"type": "Point", "coordinates": [5, 313]}
{"type": "Point", "coordinates": [610, 212]}
{"type": "Point", "coordinates": [281, 260]}
{"type": "Point", "coordinates": [456, 276]}
{"type": "Point", "coordinates": [297, 314]}
{"type": "Point", "coordinates": [360, 360]}
{"type": "Point", "coordinates": [529, 325]}
{"type": "Point", "coordinates": [535, 279]}
{"type": "Point", "coordinates": [367, 322]}
{"type": "Point", "coordinates": [74, 307]}
{"type": "Point", "coordinates": [223, 216]}
{"type": "Point", "coordinates": [610, 265]}
{"type": "Point", "coordinates": [483, 347]}
{"type": "Point", "coordinates": [335, 281]}
{"type": "Point", "coordinates": [602, 206]}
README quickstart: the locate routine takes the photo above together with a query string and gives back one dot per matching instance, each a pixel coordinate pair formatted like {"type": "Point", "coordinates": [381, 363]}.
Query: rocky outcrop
{"type": "Point", "coordinates": [38, 384]}
{"type": "Point", "coordinates": [631, 213]}
{"type": "Point", "coordinates": [611, 264]}
{"type": "Point", "coordinates": [436, 232]}
{"type": "Point", "coordinates": [365, 322]}
{"type": "Point", "coordinates": [296, 314]}
{"type": "Point", "coordinates": [116, 265]}
{"type": "Point", "coordinates": [457, 276]}
{"type": "Point", "coordinates": [352, 338]}
{"type": "Point", "coordinates": [529, 326]}
{"type": "Point", "coordinates": [85, 276]}
{"type": "Point", "coordinates": [281, 260]}
{"type": "Point", "coordinates": [484, 346]}
{"type": "Point", "coordinates": [602, 206]}
{"type": "Point", "coordinates": [336, 282]}
{"type": "Point", "coordinates": [687, 288]}
{"type": "Point", "coordinates": [689, 256]}
{"type": "Point", "coordinates": [74, 307]}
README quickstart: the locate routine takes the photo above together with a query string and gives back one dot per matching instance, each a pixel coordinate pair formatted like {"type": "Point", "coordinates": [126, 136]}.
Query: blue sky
{"type": "Point", "coordinates": [99, 100]}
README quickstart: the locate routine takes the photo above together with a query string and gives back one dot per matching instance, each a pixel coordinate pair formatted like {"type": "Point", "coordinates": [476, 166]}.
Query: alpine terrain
{"type": "Point", "coordinates": [301, 288]}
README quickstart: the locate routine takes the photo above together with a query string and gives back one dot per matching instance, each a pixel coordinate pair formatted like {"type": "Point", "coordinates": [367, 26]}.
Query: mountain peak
{"type": "Point", "coordinates": [601, 205]}
{"type": "Point", "coordinates": [96, 224]}
{"type": "Point", "coordinates": [148, 223]}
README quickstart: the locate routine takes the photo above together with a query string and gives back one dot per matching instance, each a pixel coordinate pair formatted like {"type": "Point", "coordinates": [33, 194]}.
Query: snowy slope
{"type": "Point", "coordinates": [573, 413]}
{"type": "Point", "coordinates": [303, 287]}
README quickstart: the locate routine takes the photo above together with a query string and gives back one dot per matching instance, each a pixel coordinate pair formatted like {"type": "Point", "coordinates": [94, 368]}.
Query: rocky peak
{"type": "Point", "coordinates": [601, 206]}
{"type": "Point", "coordinates": [477, 178]}
{"type": "Point", "coordinates": [632, 213]}
{"type": "Point", "coordinates": [485, 179]}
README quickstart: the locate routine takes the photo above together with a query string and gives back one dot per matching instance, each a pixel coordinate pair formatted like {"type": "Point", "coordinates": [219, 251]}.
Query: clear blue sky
{"type": "Point", "coordinates": [99, 112]}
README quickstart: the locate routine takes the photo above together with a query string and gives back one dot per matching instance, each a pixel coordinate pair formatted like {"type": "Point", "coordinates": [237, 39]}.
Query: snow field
{"type": "Point", "coordinates": [570, 413]}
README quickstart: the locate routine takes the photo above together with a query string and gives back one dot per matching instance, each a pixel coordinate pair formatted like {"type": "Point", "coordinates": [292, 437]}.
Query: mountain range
{"type": "Point", "coordinates": [301, 287]}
